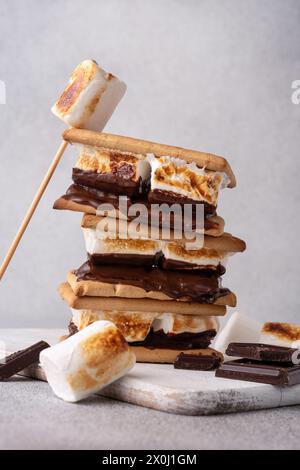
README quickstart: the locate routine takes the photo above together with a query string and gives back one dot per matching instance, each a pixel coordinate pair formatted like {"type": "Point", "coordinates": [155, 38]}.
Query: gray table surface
{"type": "Point", "coordinates": [31, 417]}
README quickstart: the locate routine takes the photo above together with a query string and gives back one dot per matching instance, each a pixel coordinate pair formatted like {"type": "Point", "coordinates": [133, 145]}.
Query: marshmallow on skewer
{"type": "Point", "coordinates": [87, 102]}
{"type": "Point", "coordinates": [90, 97]}
{"type": "Point", "coordinates": [86, 362]}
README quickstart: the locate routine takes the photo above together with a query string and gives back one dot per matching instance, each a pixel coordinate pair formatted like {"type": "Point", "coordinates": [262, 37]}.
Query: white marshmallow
{"type": "Point", "coordinates": [87, 361]}
{"type": "Point", "coordinates": [177, 323]}
{"type": "Point", "coordinates": [99, 245]}
{"type": "Point", "coordinates": [90, 97]}
{"type": "Point", "coordinates": [238, 329]}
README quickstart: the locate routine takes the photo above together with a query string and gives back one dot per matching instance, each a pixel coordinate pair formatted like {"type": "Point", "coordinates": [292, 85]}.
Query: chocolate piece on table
{"type": "Point", "coordinates": [18, 361]}
{"type": "Point", "coordinates": [196, 362]}
{"type": "Point", "coordinates": [267, 373]}
{"type": "Point", "coordinates": [263, 352]}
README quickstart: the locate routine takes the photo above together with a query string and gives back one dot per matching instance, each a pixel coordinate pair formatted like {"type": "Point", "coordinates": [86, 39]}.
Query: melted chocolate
{"type": "Point", "coordinates": [170, 264]}
{"type": "Point", "coordinates": [157, 260]}
{"type": "Point", "coordinates": [161, 340]}
{"type": "Point", "coordinates": [191, 286]}
{"type": "Point", "coordinates": [146, 261]}
{"type": "Point", "coordinates": [120, 184]}
{"type": "Point", "coordinates": [94, 197]}
{"type": "Point", "coordinates": [182, 341]}
{"type": "Point", "coordinates": [158, 196]}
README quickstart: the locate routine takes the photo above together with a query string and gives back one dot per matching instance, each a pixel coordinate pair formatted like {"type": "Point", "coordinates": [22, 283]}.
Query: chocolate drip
{"type": "Point", "coordinates": [90, 197]}
{"type": "Point", "coordinates": [190, 286]}
{"type": "Point", "coordinates": [94, 197]}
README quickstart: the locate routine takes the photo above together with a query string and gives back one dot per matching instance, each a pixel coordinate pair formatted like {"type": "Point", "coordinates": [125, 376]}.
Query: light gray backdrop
{"type": "Point", "coordinates": [207, 74]}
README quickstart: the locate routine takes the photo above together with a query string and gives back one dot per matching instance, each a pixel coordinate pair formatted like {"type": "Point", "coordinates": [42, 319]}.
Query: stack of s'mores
{"type": "Point", "coordinates": [163, 291]}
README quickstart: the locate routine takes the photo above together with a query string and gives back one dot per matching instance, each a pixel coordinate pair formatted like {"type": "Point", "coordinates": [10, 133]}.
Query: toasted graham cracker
{"type": "Point", "coordinates": [104, 289]}
{"type": "Point", "coordinates": [137, 305]}
{"type": "Point", "coordinates": [168, 356]}
{"type": "Point", "coordinates": [138, 146]}
{"type": "Point", "coordinates": [65, 204]}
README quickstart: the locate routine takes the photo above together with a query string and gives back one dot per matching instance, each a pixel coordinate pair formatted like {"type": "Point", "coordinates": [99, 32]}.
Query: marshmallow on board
{"type": "Point", "coordinates": [87, 361]}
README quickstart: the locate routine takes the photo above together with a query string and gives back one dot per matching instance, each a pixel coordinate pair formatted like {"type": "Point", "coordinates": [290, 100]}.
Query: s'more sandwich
{"type": "Point", "coordinates": [148, 173]}
{"type": "Point", "coordinates": [107, 244]}
{"type": "Point", "coordinates": [153, 333]}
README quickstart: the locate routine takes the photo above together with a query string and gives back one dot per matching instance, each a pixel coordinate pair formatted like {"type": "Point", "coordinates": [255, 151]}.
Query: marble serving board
{"type": "Point", "coordinates": [164, 388]}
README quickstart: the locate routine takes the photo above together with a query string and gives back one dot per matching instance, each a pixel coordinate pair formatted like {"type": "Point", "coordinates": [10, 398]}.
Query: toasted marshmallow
{"type": "Point", "coordinates": [90, 97]}
{"type": "Point", "coordinates": [105, 245]}
{"type": "Point", "coordinates": [135, 326]}
{"type": "Point", "coordinates": [202, 257]}
{"type": "Point", "coordinates": [185, 179]}
{"type": "Point", "coordinates": [125, 164]}
{"type": "Point", "coordinates": [99, 242]}
{"type": "Point", "coordinates": [238, 329]}
{"type": "Point", "coordinates": [281, 334]}
{"type": "Point", "coordinates": [177, 323]}
{"type": "Point", "coordinates": [86, 362]}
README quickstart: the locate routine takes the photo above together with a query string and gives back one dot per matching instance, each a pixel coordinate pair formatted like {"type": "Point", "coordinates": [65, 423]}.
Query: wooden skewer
{"type": "Point", "coordinates": [32, 207]}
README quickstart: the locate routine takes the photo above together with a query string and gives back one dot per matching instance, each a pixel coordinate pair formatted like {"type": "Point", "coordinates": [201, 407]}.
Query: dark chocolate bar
{"type": "Point", "coordinates": [196, 362]}
{"type": "Point", "coordinates": [263, 352]}
{"type": "Point", "coordinates": [18, 361]}
{"type": "Point", "coordinates": [267, 373]}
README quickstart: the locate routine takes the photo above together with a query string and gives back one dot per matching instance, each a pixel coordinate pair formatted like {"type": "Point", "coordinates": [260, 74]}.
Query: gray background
{"type": "Point", "coordinates": [210, 75]}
